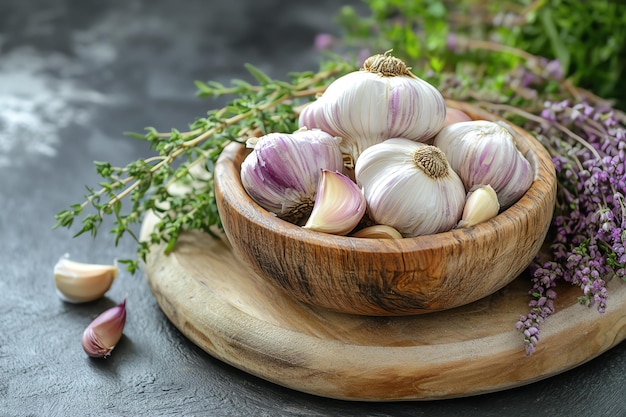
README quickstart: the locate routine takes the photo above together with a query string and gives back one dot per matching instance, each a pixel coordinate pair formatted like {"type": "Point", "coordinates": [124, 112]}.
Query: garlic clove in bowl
{"type": "Point", "coordinates": [339, 205]}
{"type": "Point", "coordinates": [481, 205]}
{"type": "Point", "coordinates": [377, 231]}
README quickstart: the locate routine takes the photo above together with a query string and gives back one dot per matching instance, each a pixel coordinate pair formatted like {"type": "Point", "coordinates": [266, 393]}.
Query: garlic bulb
{"type": "Point", "coordinates": [410, 186]}
{"type": "Point", "coordinates": [484, 152]}
{"type": "Point", "coordinates": [481, 205]}
{"type": "Point", "coordinates": [381, 101]}
{"type": "Point", "coordinates": [79, 282]}
{"type": "Point", "coordinates": [339, 205]}
{"type": "Point", "coordinates": [282, 172]}
{"type": "Point", "coordinates": [454, 116]}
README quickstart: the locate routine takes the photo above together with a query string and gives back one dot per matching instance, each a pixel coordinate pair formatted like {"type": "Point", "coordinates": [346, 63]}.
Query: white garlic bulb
{"type": "Point", "coordinates": [484, 152]}
{"type": "Point", "coordinates": [410, 186]}
{"type": "Point", "coordinates": [383, 100]}
{"type": "Point", "coordinates": [283, 170]}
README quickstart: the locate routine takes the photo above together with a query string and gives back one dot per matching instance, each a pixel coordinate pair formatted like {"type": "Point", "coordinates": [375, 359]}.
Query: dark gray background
{"type": "Point", "coordinates": [75, 75]}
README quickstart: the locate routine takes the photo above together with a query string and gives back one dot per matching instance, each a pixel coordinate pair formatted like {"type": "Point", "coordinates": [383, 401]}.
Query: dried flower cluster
{"type": "Point", "coordinates": [588, 144]}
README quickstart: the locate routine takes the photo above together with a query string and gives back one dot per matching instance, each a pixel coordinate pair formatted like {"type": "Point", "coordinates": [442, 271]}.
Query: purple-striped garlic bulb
{"type": "Point", "coordinates": [484, 153]}
{"type": "Point", "coordinates": [381, 101]}
{"type": "Point", "coordinates": [283, 170]}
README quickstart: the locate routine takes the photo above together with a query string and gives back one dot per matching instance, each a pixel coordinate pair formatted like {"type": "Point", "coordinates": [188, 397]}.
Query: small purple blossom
{"type": "Point", "coordinates": [554, 70]}
{"type": "Point", "coordinates": [452, 42]}
{"type": "Point", "coordinates": [323, 41]}
{"type": "Point", "coordinates": [362, 56]}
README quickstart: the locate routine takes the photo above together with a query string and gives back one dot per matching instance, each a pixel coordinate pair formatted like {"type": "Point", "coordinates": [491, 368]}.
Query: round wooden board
{"type": "Point", "coordinates": [225, 309]}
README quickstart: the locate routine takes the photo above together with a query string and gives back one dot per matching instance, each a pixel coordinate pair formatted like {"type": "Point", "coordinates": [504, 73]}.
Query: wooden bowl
{"type": "Point", "coordinates": [389, 277]}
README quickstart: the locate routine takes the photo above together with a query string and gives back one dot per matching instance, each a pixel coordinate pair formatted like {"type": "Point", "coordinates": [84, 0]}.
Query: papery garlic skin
{"type": "Point", "coordinates": [484, 152]}
{"type": "Point", "coordinates": [366, 107]}
{"type": "Point", "coordinates": [78, 282]}
{"type": "Point", "coordinates": [481, 205]}
{"type": "Point", "coordinates": [378, 231]}
{"type": "Point", "coordinates": [402, 194]}
{"type": "Point", "coordinates": [103, 334]}
{"type": "Point", "coordinates": [282, 172]}
{"type": "Point", "coordinates": [339, 205]}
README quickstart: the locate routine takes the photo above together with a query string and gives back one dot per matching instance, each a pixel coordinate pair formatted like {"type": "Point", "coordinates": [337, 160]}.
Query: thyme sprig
{"type": "Point", "coordinates": [184, 160]}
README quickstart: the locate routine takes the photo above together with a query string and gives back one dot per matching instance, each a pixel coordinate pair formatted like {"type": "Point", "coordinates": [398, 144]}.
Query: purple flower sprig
{"type": "Point", "coordinates": [586, 137]}
{"type": "Point", "coordinates": [544, 279]}
{"type": "Point", "coordinates": [588, 145]}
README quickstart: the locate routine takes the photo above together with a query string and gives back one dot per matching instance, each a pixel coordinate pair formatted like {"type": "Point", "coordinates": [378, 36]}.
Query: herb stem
{"type": "Point", "coordinates": [543, 122]}
{"type": "Point", "coordinates": [498, 47]}
{"type": "Point", "coordinates": [295, 94]}
{"type": "Point", "coordinates": [275, 99]}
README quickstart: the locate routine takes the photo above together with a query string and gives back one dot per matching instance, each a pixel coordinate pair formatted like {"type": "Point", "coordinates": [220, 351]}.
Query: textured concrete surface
{"type": "Point", "coordinates": [74, 75]}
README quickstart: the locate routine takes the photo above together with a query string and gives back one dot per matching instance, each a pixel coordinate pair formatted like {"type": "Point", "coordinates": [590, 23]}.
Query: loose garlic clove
{"type": "Point", "coordinates": [339, 205]}
{"type": "Point", "coordinates": [78, 282]}
{"type": "Point", "coordinates": [481, 205]}
{"type": "Point", "coordinates": [103, 334]}
{"type": "Point", "coordinates": [378, 231]}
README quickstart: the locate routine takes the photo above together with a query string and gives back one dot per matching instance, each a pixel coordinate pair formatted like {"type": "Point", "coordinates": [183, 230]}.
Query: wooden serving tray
{"type": "Point", "coordinates": [225, 309]}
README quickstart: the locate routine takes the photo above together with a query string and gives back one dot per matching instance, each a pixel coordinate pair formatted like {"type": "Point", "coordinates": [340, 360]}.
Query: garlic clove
{"type": "Point", "coordinates": [339, 205]}
{"type": "Point", "coordinates": [103, 334]}
{"type": "Point", "coordinates": [481, 205]}
{"type": "Point", "coordinates": [78, 282]}
{"type": "Point", "coordinates": [378, 231]}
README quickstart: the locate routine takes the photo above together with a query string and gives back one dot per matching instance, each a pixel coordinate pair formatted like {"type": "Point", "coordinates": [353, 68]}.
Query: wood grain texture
{"type": "Point", "coordinates": [387, 277]}
{"type": "Point", "coordinates": [226, 309]}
